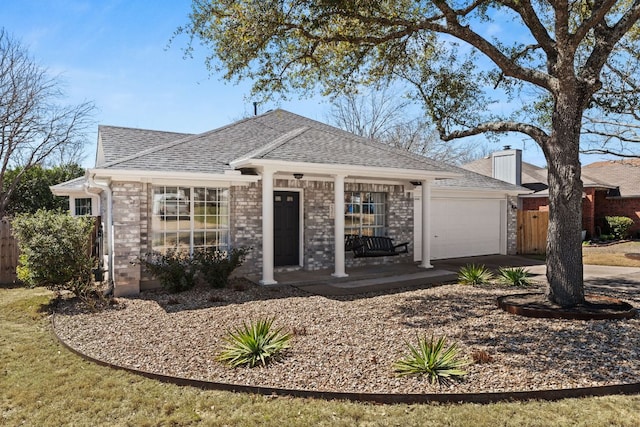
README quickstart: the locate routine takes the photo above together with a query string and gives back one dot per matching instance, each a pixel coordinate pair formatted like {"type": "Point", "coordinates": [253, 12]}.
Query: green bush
{"type": "Point", "coordinates": [619, 225]}
{"type": "Point", "coordinates": [254, 343]}
{"type": "Point", "coordinates": [216, 266]}
{"type": "Point", "coordinates": [514, 276]}
{"type": "Point", "coordinates": [175, 269]}
{"type": "Point", "coordinates": [432, 359]}
{"type": "Point", "coordinates": [55, 251]}
{"type": "Point", "coordinates": [472, 274]}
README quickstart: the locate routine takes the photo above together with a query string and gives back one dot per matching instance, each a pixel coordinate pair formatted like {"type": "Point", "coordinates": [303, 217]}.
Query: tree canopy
{"type": "Point", "coordinates": [562, 63]}
{"type": "Point", "coordinates": [32, 193]}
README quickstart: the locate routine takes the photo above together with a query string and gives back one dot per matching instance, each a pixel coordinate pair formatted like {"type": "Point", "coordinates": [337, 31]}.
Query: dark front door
{"type": "Point", "coordinates": [286, 228]}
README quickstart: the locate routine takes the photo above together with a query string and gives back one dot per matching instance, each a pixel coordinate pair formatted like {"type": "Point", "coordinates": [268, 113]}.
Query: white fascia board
{"type": "Point", "coordinates": [327, 169]}
{"type": "Point", "coordinates": [233, 177]}
{"type": "Point", "coordinates": [471, 192]}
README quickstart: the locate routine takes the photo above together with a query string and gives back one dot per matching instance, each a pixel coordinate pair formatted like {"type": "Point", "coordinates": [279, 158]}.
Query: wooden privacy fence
{"type": "Point", "coordinates": [532, 232]}
{"type": "Point", "coordinates": [8, 253]}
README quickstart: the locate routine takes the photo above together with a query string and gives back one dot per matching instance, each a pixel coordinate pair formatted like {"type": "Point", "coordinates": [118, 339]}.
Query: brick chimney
{"type": "Point", "coordinates": [506, 165]}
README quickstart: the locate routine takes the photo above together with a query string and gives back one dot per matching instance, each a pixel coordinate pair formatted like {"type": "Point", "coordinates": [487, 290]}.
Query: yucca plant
{"type": "Point", "coordinates": [472, 274]}
{"type": "Point", "coordinates": [431, 358]}
{"type": "Point", "coordinates": [254, 343]}
{"type": "Point", "coordinates": [514, 276]}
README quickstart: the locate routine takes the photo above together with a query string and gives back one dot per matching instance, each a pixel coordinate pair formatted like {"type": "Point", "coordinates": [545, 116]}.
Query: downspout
{"type": "Point", "coordinates": [91, 183]}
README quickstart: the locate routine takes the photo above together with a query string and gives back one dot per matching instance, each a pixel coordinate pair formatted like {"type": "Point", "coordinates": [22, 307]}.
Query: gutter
{"type": "Point", "coordinates": [91, 183]}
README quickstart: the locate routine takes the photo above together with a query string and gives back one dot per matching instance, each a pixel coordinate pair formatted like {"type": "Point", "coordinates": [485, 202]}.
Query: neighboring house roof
{"type": "Point", "coordinates": [621, 174]}
{"type": "Point", "coordinates": [534, 177]}
{"type": "Point", "coordinates": [277, 135]}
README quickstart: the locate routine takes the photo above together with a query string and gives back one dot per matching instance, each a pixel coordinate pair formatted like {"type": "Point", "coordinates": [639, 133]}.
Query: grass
{"type": "Point", "coordinates": [43, 384]}
{"type": "Point", "coordinates": [612, 254]}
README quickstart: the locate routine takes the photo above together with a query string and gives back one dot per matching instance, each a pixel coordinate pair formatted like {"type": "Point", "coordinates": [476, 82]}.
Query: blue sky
{"type": "Point", "coordinates": [115, 53]}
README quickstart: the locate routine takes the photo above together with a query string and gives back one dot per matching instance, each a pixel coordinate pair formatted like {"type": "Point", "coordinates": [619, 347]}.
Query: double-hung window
{"type": "Point", "coordinates": [83, 206]}
{"type": "Point", "coordinates": [189, 218]}
{"type": "Point", "coordinates": [365, 213]}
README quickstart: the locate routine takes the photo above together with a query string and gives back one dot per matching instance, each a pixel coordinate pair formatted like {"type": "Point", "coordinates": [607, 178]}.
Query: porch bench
{"type": "Point", "coordinates": [351, 241]}
{"type": "Point", "coordinates": [376, 246]}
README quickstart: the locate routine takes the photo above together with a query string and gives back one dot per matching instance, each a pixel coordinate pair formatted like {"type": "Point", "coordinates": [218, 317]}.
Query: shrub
{"type": "Point", "coordinates": [514, 276]}
{"type": "Point", "coordinates": [254, 343]}
{"type": "Point", "coordinates": [55, 251]}
{"type": "Point", "coordinates": [432, 359]}
{"type": "Point", "coordinates": [175, 269]}
{"type": "Point", "coordinates": [472, 274]}
{"type": "Point", "coordinates": [216, 266]}
{"type": "Point", "coordinates": [619, 225]}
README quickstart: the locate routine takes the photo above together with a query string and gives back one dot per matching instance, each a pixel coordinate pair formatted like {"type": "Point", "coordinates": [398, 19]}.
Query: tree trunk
{"type": "Point", "coordinates": [564, 242]}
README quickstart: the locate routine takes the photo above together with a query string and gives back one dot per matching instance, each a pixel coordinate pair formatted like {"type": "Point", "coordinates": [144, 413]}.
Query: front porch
{"type": "Point", "coordinates": [370, 278]}
{"type": "Point", "coordinates": [383, 277]}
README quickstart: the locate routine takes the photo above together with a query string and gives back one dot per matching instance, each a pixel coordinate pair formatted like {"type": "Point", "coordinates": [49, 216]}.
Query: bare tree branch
{"type": "Point", "coordinates": [34, 126]}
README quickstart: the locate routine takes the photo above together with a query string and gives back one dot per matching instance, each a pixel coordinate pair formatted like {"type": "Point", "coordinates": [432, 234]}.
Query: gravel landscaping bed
{"type": "Point", "coordinates": [349, 344]}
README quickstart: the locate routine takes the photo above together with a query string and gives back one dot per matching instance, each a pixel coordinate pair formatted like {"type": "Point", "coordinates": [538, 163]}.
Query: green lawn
{"type": "Point", "coordinates": [43, 384]}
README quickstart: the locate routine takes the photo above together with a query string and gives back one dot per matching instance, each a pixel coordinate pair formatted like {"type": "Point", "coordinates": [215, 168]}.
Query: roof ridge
{"type": "Point", "coordinates": [278, 142]}
{"type": "Point", "coordinates": [143, 129]}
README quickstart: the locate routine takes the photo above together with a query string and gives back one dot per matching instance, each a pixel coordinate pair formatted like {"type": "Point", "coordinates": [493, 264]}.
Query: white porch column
{"type": "Point", "coordinates": [426, 224]}
{"type": "Point", "coordinates": [267, 228]}
{"type": "Point", "coordinates": [339, 226]}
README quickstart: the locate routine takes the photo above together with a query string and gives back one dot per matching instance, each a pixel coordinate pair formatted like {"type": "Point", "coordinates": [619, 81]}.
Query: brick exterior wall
{"type": "Point", "coordinates": [245, 216]}
{"type": "Point", "coordinates": [318, 238]}
{"type": "Point", "coordinates": [535, 204]}
{"type": "Point", "coordinates": [629, 207]}
{"type": "Point", "coordinates": [130, 209]}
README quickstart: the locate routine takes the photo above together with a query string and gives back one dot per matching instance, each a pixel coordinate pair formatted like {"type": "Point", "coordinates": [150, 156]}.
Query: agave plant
{"type": "Point", "coordinates": [431, 358]}
{"type": "Point", "coordinates": [472, 274]}
{"type": "Point", "coordinates": [254, 343]}
{"type": "Point", "coordinates": [514, 276]}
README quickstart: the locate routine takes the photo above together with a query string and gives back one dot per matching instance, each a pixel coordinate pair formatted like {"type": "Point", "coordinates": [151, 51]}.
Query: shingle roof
{"type": "Point", "coordinates": [212, 151]}
{"type": "Point", "coordinates": [276, 135]}
{"type": "Point", "coordinates": [73, 184]}
{"type": "Point", "coordinates": [624, 174]}
{"type": "Point", "coordinates": [120, 142]}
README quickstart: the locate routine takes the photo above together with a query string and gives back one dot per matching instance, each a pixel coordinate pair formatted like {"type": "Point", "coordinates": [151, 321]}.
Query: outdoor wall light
{"type": "Point", "coordinates": [298, 175]}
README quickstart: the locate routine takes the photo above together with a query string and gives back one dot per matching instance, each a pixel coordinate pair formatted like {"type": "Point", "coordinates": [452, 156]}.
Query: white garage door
{"type": "Point", "coordinates": [463, 227]}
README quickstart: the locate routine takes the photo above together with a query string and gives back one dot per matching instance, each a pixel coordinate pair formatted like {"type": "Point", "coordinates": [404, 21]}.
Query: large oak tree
{"type": "Point", "coordinates": [551, 59]}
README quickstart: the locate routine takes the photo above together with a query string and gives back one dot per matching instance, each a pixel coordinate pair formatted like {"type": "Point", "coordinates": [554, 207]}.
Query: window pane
{"type": "Point", "coordinates": [365, 213]}
{"type": "Point", "coordinates": [83, 206]}
{"type": "Point", "coordinates": [174, 224]}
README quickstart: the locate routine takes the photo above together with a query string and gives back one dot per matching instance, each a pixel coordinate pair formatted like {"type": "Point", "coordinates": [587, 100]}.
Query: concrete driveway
{"type": "Point", "coordinates": [623, 281]}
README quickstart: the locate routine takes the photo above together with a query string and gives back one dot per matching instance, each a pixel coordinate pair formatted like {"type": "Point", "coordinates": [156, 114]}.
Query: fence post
{"type": "Point", "coordinates": [8, 253]}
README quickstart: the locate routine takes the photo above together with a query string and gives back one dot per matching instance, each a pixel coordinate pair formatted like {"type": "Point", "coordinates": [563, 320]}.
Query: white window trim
{"type": "Point", "coordinates": [192, 228]}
